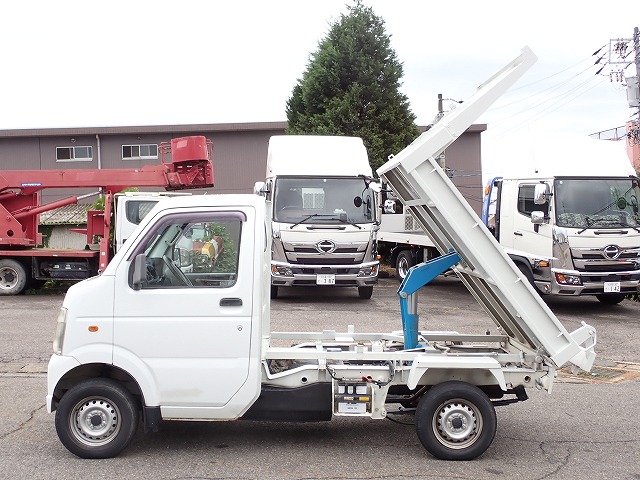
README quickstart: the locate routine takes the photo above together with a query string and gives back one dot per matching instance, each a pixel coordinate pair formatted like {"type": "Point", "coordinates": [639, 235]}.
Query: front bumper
{"type": "Point", "coordinates": [293, 275]}
{"type": "Point", "coordinates": [58, 367]}
{"type": "Point", "coordinates": [591, 283]}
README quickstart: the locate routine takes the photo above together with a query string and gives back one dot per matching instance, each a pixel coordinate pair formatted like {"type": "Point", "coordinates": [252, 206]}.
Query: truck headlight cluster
{"type": "Point", "coordinates": [368, 271]}
{"type": "Point", "coordinates": [280, 271]}
{"type": "Point", "coordinates": [564, 279]}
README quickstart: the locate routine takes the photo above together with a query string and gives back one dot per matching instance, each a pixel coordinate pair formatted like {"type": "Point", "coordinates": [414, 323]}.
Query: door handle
{"type": "Point", "coordinates": [518, 233]}
{"type": "Point", "coordinates": [231, 302]}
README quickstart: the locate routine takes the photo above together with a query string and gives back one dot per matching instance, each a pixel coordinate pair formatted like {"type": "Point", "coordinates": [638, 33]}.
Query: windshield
{"type": "Point", "coordinates": [328, 200]}
{"type": "Point", "coordinates": [597, 202]}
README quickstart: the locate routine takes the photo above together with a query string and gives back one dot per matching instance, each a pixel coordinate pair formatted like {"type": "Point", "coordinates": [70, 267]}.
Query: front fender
{"type": "Point", "coordinates": [140, 372]}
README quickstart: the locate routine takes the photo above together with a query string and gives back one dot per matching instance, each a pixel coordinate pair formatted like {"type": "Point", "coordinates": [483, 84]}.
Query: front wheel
{"type": "Point", "coordinates": [611, 298]}
{"type": "Point", "coordinates": [97, 418]}
{"type": "Point", "coordinates": [455, 421]}
{"type": "Point", "coordinates": [365, 292]}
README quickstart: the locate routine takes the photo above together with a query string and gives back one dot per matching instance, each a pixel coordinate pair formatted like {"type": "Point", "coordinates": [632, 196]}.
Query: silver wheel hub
{"type": "Point", "coordinates": [95, 421]}
{"type": "Point", "coordinates": [8, 278]}
{"type": "Point", "coordinates": [403, 268]}
{"type": "Point", "coordinates": [457, 424]}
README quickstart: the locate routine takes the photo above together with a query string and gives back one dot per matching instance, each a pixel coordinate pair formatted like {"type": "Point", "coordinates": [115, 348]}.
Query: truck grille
{"type": "Point", "coordinates": [342, 254]}
{"type": "Point", "coordinates": [608, 259]}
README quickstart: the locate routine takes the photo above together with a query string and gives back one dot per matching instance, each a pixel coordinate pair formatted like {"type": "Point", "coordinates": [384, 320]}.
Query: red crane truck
{"type": "Point", "coordinates": [185, 164]}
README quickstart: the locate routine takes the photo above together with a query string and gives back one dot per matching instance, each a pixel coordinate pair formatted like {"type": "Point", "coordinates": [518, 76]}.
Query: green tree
{"type": "Point", "coordinates": [351, 87]}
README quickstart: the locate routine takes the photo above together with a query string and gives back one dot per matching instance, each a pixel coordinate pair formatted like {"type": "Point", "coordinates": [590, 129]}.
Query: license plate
{"type": "Point", "coordinates": [611, 287]}
{"type": "Point", "coordinates": [325, 279]}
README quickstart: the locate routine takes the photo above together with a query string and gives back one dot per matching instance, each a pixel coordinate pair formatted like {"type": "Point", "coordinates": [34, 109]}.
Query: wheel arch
{"type": "Point", "coordinates": [520, 260]}
{"type": "Point", "coordinates": [96, 370]}
{"type": "Point", "coordinates": [486, 372]}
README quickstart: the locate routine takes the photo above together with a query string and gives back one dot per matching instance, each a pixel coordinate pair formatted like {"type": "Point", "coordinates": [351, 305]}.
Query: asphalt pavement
{"type": "Point", "coordinates": [586, 428]}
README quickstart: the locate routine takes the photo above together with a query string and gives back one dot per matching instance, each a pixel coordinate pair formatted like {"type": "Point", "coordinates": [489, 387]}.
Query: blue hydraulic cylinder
{"type": "Point", "coordinates": [417, 277]}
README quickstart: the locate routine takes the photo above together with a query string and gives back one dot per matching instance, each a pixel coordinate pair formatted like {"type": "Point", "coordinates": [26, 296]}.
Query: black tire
{"type": "Point", "coordinates": [274, 291]}
{"type": "Point", "coordinates": [13, 277]}
{"type": "Point", "coordinates": [527, 273]}
{"type": "Point", "coordinates": [611, 298]}
{"type": "Point", "coordinates": [365, 292]}
{"type": "Point", "coordinates": [97, 418]}
{"type": "Point", "coordinates": [455, 421]}
{"type": "Point", "coordinates": [405, 260]}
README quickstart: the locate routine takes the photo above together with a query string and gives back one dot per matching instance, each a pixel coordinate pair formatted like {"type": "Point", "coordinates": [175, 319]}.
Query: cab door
{"type": "Point", "coordinates": [527, 236]}
{"type": "Point", "coordinates": [189, 322]}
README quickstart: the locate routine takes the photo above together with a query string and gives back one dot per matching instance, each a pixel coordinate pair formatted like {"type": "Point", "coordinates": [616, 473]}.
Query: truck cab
{"type": "Point", "coordinates": [323, 204]}
{"type": "Point", "coordinates": [570, 234]}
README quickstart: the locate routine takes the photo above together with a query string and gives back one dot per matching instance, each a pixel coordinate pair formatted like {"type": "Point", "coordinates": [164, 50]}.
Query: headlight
{"type": "Point", "coordinates": [563, 279]}
{"type": "Point", "coordinates": [279, 271]}
{"type": "Point", "coordinates": [61, 324]}
{"type": "Point", "coordinates": [368, 271]}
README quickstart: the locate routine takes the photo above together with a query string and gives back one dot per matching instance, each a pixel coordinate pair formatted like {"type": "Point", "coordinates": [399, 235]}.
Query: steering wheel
{"type": "Point", "coordinates": [176, 272]}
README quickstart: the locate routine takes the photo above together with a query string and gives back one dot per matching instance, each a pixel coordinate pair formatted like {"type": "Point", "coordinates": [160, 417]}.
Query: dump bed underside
{"type": "Point", "coordinates": [485, 269]}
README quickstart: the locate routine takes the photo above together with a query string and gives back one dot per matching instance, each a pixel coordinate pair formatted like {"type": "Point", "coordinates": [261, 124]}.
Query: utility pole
{"type": "Point", "coordinates": [623, 53]}
{"type": "Point", "coordinates": [636, 49]}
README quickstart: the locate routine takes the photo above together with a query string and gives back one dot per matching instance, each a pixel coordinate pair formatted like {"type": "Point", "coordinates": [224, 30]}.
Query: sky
{"type": "Point", "coordinates": [122, 63]}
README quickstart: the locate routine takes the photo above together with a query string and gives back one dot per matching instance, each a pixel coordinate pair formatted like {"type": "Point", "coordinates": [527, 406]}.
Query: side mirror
{"type": "Point", "coordinates": [541, 194]}
{"type": "Point", "coordinates": [537, 217]}
{"type": "Point", "coordinates": [260, 188]}
{"type": "Point", "coordinates": [389, 206]}
{"type": "Point", "coordinates": [183, 256]}
{"type": "Point", "coordinates": [139, 271]}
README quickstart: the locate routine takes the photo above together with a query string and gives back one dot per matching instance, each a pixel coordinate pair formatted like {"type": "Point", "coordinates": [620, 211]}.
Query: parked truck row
{"type": "Point", "coordinates": [155, 339]}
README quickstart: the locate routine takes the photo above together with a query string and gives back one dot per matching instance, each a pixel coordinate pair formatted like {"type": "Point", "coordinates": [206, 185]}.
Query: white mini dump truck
{"type": "Point", "coordinates": [151, 339]}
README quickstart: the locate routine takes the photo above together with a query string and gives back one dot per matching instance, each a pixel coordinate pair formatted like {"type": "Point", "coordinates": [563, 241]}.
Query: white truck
{"type": "Point", "coordinates": [402, 240]}
{"type": "Point", "coordinates": [324, 214]}
{"type": "Point", "coordinates": [149, 338]}
{"type": "Point", "coordinates": [572, 226]}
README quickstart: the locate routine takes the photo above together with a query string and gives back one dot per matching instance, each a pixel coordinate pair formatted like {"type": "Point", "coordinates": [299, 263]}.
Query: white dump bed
{"type": "Point", "coordinates": [486, 270]}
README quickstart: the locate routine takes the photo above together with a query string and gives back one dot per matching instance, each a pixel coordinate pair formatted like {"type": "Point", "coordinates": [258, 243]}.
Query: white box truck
{"type": "Point", "coordinates": [322, 200]}
{"type": "Point", "coordinates": [572, 223]}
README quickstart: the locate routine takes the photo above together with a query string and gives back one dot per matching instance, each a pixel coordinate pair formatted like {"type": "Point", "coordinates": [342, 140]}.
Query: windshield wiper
{"type": "Point", "coordinates": [332, 215]}
{"type": "Point", "coordinates": [625, 225]}
{"type": "Point", "coordinates": [592, 222]}
{"type": "Point", "coordinates": [308, 217]}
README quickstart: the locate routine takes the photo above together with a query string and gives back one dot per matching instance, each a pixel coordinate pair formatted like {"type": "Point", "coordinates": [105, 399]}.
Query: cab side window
{"type": "Point", "coordinates": [526, 204]}
{"type": "Point", "coordinates": [188, 251]}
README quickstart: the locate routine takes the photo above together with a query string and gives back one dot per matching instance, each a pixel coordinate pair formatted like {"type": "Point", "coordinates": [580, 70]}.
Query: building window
{"type": "Point", "coordinates": [148, 151]}
{"type": "Point", "coordinates": [74, 154]}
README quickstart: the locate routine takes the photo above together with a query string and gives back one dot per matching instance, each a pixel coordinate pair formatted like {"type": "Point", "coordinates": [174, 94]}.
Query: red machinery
{"type": "Point", "coordinates": [186, 164]}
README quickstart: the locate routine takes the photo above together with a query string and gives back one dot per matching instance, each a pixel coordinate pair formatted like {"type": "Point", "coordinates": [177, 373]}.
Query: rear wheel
{"type": "Point", "coordinates": [365, 292]}
{"type": "Point", "coordinates": [404, 262]}
{"type": "Point", "coordinates": [13, 277]}
{"type": "Point", "coordinates": [97, 418]}
{"type": "Point", "coordinates": [455, 421]}
{"type": "Point", "coordinates": [611, 298]}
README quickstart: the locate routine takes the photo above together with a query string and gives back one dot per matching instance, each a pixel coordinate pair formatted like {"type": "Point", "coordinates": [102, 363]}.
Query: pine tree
{"type": "Point", "coordinates": [351, 87]}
